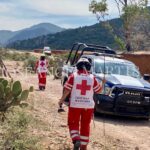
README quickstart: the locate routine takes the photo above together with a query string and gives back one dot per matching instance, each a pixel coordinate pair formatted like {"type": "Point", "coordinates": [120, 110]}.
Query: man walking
{"type": "Point", "coordinates": [41, 68]}
{"type": "Point", "coordinates": [81, 85]}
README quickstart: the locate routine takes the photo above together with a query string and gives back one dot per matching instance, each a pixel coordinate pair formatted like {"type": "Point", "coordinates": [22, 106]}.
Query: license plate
{"type": "Point", "coordinates": [133, 102]}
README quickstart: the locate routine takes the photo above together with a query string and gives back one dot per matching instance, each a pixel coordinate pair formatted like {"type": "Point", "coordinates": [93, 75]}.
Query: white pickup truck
{"type": "Point", "coordinates": [47, 50]}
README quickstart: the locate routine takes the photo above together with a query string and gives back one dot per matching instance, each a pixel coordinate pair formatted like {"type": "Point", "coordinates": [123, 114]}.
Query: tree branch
{"type": "Point", "coordinates": [118, 6]}
{"type": "Point", "coordinates": [123, 2]}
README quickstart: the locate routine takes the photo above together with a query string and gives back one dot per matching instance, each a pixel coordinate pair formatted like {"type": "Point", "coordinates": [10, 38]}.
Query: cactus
{"type": "Point", "coordinates": [16, 89]}
{"type": "Point", "coordinates": [31, 89]}
{"type": "Point", "coordinates": [7, 90]}
{"type": "Point", "coordinates": [1, 79]}
{"type": "Point", "coordinates": [5, 83]}
{"type": "Point", "coordinates": [1, 91]}
{"type": "Point", "coordinates": [24, 95]}
{"type": "Point", "coordinates": [11, 94]}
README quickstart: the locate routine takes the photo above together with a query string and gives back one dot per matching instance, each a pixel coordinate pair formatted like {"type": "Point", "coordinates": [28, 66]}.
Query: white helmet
{"type": "Point", "coordinates": [83, 63]}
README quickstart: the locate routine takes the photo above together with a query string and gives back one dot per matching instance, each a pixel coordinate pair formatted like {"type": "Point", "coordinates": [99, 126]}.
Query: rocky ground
{"type": "Point", "coordinates": [107, 132]}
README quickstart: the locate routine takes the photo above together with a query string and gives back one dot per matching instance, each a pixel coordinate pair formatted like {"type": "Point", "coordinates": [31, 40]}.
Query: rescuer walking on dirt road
{"type": "Point", "coordinates": [81, 85]}
{"type": "Point", "coordinates": [41, 68]}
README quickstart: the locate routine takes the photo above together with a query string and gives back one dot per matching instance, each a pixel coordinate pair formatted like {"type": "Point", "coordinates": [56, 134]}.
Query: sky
{"type": "Point", "coordinates": [19, 14]}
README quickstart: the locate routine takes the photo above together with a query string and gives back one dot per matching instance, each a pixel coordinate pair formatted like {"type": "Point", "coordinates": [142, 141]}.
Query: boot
{"type": "Point", "coordinates": [76, 145]}
{"type": "Point", "coordinates": [40, 88]}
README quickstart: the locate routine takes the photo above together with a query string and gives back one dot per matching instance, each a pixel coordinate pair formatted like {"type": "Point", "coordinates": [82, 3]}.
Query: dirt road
{"type": "Point", "coordinates": [107, 133]}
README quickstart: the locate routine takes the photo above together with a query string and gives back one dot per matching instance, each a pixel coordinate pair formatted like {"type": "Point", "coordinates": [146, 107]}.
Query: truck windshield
{"type": "Point", "coordinates": [47, 48]}
{"type": "Point", "coordinates": [118, 68]}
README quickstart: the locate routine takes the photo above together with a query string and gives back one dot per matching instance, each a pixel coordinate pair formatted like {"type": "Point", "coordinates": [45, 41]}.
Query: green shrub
{"type": "Point", "coordinates": [15, 132]}
{"type": "Point", "coordinates": [14, 55]}
{"type": "Point", "coordinates": [11, 94]}
{"type": "Point", "coordinates": [30, 62]}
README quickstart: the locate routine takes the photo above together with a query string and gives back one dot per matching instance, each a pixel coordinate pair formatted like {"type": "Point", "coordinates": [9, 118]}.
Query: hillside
{"type": "Point", "coordinates": [95, 34]}
{"type": "Point", "coordinates": [27, 33]}
{"type": "Point", "coordinates": [5, 35]}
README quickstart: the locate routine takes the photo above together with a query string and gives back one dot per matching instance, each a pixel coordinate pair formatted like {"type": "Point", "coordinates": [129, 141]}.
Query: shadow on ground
{"type": "Point", "coordinates": [122, 120]}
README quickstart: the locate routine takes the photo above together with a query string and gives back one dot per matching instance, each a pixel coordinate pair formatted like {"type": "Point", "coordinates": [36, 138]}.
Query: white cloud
{"type": "Point", "coordinates": [18, 14]}
{"type": "Point", "coordinates": [9, 23]}
{"type": "Point", "coordinates": [63, 7]}
{"type": "Point", "coordinates": [4, 8]}
{"type": "Point", "coordinates": [112, 9]}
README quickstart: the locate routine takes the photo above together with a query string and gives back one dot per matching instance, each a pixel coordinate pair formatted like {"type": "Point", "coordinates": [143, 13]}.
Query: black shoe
{"type": "Point", "coordinates": [76, 145]}
{"type": "Point", "coordinates": [40, 88]}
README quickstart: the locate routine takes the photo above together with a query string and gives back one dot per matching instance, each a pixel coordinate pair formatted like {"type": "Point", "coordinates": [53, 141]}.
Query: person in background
{"type": "Point", "coordinates": [41, 69]}
{"type": "Point", "coordinates": [81, 85]}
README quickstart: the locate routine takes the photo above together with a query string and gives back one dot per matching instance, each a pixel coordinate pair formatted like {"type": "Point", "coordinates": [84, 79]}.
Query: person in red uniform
{"type": "Point", "coordinates": [81, 86]}
{"type": "Point", "coordinates": [41, 68]}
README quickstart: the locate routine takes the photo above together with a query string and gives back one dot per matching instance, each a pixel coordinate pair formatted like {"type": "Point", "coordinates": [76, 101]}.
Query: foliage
{"type": "Point", "coordinates": [28, 59]}
{"type": "Point", "coordinates": [138, 26]}
{"type": "Point", "coordinates": [15, 133]}
{"type": "Point", "coordinates": [30, 63]}
{"type": "Point", "coordinates": [14, 55]}
{"type": "Point", "coordinates": [128, 10]}
{"type": "Point", "coordinates": [95, 34]}
{"type": "Point", "coordinates": [120, 42]}
{"type": "Point", "coordinates": [99, 8]}
{"type": "Point", "coordinates": [11, 94]}
{"type": "Point", "coordinates": [1, 73]}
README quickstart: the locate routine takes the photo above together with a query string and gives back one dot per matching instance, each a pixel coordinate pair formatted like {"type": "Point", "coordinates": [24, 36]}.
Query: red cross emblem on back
{"type": "Point", "coordinates": [83, 87]}
{"type": "Point", "coordinates": [42, 64]}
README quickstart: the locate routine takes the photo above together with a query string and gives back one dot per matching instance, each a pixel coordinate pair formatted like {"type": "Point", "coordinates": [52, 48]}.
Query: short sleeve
{"type": "Point", "coordinates": [97, 86]}
{"type": "Point", "coordinates": [69, 83]}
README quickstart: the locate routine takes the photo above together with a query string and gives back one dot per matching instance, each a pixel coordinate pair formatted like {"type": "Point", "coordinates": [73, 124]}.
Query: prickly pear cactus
{"type": "Point", "coordinates": [11, 94]}
{"type": "Point", "coordinates": [16, 89]}
{"type": "Point", "coordinates": [1, 79]}
{"type": "Point", "coordinates": [31, 89]}
{"type": "Point", "coordinates": [5, 83]}
{"type": "Point", "coordinates": [1, 91]}
{"type": "Point", "coordinates": [24, 95]}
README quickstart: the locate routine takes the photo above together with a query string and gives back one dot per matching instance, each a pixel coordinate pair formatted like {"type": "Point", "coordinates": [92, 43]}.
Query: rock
{"type": "Point", "coordinates": [63, 126]}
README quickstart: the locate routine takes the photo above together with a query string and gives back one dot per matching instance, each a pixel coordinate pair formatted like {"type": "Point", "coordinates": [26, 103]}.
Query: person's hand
{"type": "Point", "coordinates": [103, 81]}
{"type": "Point", "coordinates": [60, 102]}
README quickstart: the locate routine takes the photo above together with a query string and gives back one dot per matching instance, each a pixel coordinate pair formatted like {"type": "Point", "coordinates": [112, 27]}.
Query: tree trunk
{"type": "Point", "coordinates": [125, 3]}
{"type": "Point", "coordinates": [127, 32]}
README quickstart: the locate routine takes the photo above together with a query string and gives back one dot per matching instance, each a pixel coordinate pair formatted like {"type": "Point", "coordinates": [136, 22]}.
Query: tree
{"type": "Point", "coordinates": [130, 12]}
{"type": "Point", "coordinates": [140, 28]}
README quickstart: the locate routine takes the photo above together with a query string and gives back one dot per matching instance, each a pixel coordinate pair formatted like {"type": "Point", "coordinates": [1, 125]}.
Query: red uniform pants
{"type": "Point", "coordinates": [42, 79]}
{"type": "Point", "coordinates": [79, 124]}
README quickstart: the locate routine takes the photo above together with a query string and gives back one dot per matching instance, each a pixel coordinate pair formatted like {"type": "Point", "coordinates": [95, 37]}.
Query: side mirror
{"type": "Point", "coordinates": [146, 77]}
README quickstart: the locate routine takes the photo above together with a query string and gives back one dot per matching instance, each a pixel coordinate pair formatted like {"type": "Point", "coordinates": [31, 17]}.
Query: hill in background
{"type": "Point", "coordinates": [95, 34]}
{"type": "Point", "coordinates": [7, 37]}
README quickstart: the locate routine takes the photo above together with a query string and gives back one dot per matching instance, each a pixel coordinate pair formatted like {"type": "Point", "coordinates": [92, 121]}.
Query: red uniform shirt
{"type": "Point", "coordinates": [37, 64]}
{"type": "Point", "coordinates": [69, 84]}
